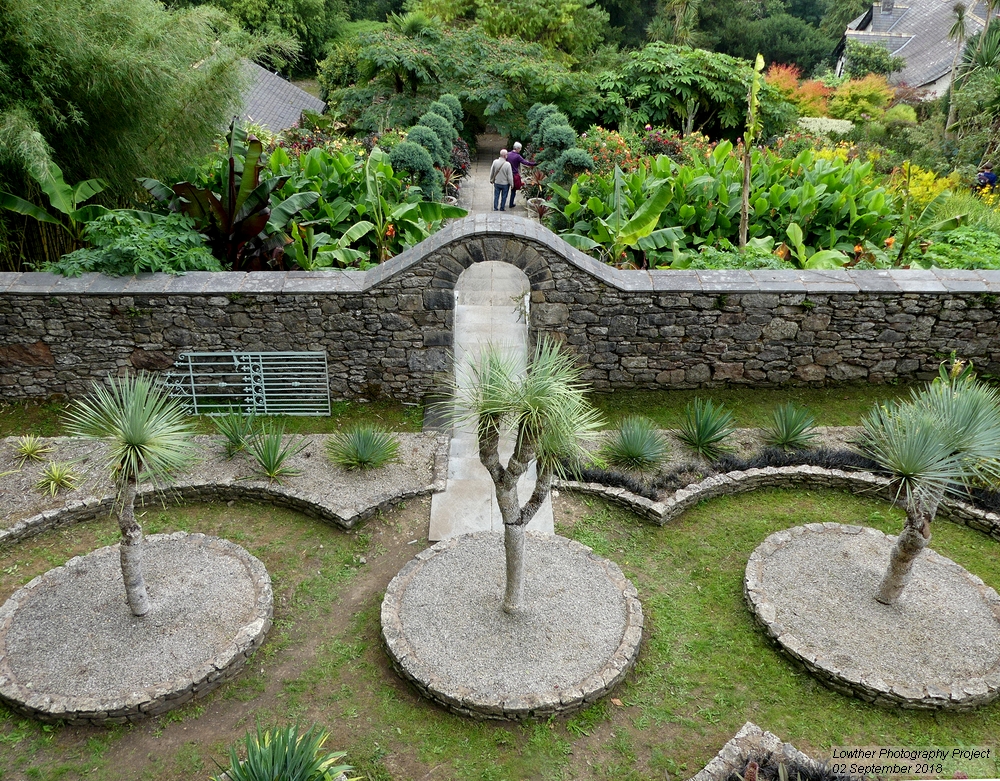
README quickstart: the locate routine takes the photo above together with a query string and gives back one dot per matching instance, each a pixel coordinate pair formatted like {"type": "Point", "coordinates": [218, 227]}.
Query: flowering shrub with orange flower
{"type": "Point", "coordinates": [683, 149]}
{"type": "Point", "coordinates": [608, 149]}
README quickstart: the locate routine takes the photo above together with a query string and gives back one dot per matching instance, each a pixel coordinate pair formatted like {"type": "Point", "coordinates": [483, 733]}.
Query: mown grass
{"type": "Point", "coordinates": [705, 667]}
{"type": "Point", "coordinates": [46, 419]}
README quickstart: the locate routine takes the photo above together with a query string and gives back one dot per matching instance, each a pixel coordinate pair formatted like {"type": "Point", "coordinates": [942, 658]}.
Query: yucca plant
{"type": "Point", "coordinates": [362, 447]}
{"type": "Point", "coordinates": [943, 438]}
{"type": "Point", "coordinates": [55, 477]}
{"type": "Point", "coordinates": [238, 429]}
{"type": "Point", "coordinates": [636, 445]}
{"type": "Point", "coordinates": [791, 427]}
{"type": "Point", "coordinates": [31, 448]}
{"type": "Point", "coordinates": [149, 437]}
{"type": "Point", "coordinates": [705, 428]}
{"type": "Point", "coordinates": [286, 754]}
{"type": "Point", "coordinates": [546, 409]}
{"type": "Point", "coordinates": [271, 451]}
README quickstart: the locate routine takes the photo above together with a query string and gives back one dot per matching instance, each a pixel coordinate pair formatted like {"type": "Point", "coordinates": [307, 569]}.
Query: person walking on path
{"type": "Point", "coordinates": [502, 178]}
{"type": "Point", "coordinates": [515, 160]}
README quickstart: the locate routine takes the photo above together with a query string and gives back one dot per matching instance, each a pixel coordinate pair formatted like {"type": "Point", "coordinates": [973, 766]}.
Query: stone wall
{"type": "Point", "coordinates": [388, 331]}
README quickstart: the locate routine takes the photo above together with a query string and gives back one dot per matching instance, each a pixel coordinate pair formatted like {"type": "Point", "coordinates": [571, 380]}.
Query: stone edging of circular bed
{"type": "Point", "coordinates": [466, 702]}
{"type": "Point", "coordinates": [751, 742]}
{"type": "Point", "coordinates": [92, 507]}
{"type": "Point", "coordinates": [961, 695]}
{"type": "Point", "coordinates": [775, 477]}
{"type": "Point", "coordinates": [164, 695]}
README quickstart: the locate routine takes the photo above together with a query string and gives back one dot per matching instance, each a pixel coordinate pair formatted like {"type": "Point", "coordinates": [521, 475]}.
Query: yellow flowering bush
{"type": "Point", "coordinates": [925, 185]}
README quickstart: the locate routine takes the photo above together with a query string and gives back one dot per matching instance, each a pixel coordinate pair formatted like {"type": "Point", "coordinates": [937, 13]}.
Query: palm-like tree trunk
{"type": "Point", "coordinates": [131, 553]}
{"type": "Point", "coordinates": [912, 540]}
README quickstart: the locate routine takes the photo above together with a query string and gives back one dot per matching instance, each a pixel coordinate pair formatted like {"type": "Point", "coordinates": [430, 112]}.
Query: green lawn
{"type": "Point", "coordinates": [705, 668]}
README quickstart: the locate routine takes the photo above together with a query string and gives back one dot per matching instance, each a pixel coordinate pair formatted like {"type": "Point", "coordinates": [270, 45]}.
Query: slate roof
{"type": "Point", "coordinates": [274, 103]}
{"type": "Point", "coordinates": [917, 31]}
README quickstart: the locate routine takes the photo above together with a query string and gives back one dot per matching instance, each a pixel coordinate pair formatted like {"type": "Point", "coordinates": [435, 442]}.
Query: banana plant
{"type": "Point", "coordinates": [612, 232]}
{"type": "Point", "coordinates": [244, 229]}
{"type": "Point", "coordinates": [66, 200]}
{"type": "Point", "coordinates": [312, 251]}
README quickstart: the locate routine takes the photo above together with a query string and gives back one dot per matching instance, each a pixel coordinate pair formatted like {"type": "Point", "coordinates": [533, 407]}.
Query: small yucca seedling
{"type": "Point", "coordinates": [56, 477]}
{"type": "Point", "coordinates": [362, 447]}
{"type": "Point", "coordinates": [791, 427]}
{"type": "Point", "coordinates": [238, 428]}
{"type": "Point", "coordinates": [31, 448]}
{"type": "Point", "coordinates": [285, 753]}
{"type": "Point", "coordinates": [270, 451]}
{"type": "Point", "coordinates": [636, 445]}
{"type": "Point", "coordinates": [705, 428]}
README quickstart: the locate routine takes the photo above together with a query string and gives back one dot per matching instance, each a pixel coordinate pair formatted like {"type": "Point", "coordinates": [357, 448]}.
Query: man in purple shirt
{"type": "Point", "coordinates": [515, 160]}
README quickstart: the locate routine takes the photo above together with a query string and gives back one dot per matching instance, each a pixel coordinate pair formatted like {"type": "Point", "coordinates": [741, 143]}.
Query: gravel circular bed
{"type": "Point", "coordinates": [446, 632]}
{"type": "Point", "coordinates": [813, 587]}
{"type": "Point", "coordinates": [71, 649]}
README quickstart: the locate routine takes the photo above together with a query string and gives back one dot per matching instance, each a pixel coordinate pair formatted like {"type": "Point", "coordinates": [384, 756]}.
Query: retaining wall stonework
{"type": "Point", "coordinates": [388, 331]}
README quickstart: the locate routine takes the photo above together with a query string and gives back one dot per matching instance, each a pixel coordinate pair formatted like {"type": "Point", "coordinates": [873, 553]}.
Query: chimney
{"type": "Point", "coordinates": [888, 6]}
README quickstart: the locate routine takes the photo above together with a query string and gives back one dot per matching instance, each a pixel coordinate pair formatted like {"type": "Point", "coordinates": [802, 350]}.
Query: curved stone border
{"type": "Point", "coordinates": [964, 695]}
{"type": "Point", "coordinates": [465, 702]}
{"type": "Point", "coordinates": [777, 477]}
{"type": "Point", "coordinates": [92, 507]}
{"type": "Point", "coordinates": [751, 742]}
{"type": "Point", "coordinates": [162, 696]}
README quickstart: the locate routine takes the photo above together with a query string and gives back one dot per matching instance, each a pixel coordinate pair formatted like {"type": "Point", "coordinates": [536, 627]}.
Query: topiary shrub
{"type": "Point", "coordinates": [571, 163]}
{"type": "Point", "coordinates": [429, 140]}
{"type": "Point", "coordinates": [442, 109]}
{"type": "Point", "coordinates": [412, 158]}
{"type": "Point", "coordinates": [457, 112]}
{"type": "Point", "coordinates": [536, 115]}
{"type": "Point", "coordinates": [443, 127]}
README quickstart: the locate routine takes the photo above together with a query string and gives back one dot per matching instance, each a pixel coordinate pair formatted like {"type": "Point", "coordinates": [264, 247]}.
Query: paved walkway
{"type": "Point", "coordinates": [491, 304]}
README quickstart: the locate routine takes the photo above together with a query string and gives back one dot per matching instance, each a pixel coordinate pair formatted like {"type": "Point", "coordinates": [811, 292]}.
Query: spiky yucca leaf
{"type": "Point", "coordinates": [55, 477]}
{"type": "Point", "coordinates": [636, 445]}
{"type": "Point", "coordinates": [705, 428]}
{"type": "Point", "coordinates": [286, 754]}
{"type": "Point", "coordinates": [149, 432]}
{"type": "Point", "coordinates": [791, 427]}
{"type": "Point", "coordinates": [238, 429]}
{"type": "Point", "coordinates": [362, 447]}
{"type": "Point", "coordinates": [271, 452]}
{"type": "Point", "coordinates": [31, 448]}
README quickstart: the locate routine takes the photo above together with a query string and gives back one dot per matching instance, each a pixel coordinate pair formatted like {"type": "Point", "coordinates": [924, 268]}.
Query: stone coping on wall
{"type": "Point", "coordinates": [575, 640]}
{"type": "Point", "coordinates": [776, 477]}
{"type": "Point", "coordinates": [751, 742]}
{"type": "Point", "coordinates": [49, 693]}
{"type": "Point", "coordinates": [198, 488]}
{"type": "Point", "coordinates": [712, 282]}
{"type": "Point", "coordinates": [824, 618]}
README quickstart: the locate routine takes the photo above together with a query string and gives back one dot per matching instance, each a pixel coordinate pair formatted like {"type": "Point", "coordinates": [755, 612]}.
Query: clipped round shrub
{"type": "Point", "coordinates": [442, 109]}
{"type": "Point", "coordinates": [635, 445]}
{"type": "Point", "coordinates": [556, 133]}
{"type": "Point", "coordinates": [572, 162]}
{"type": "Point", "coordinates": [429, 140]}
{"type": "Point", "coordinates": [362, 447]}
{"type": "Point", "coordinates": [412, 158]}
{"type": "Point", "coordinates": [443, 127]}
{"type": "Point", "coordinates": [536, 115]}
{"type": "Point", "coordinates": [457, 112]}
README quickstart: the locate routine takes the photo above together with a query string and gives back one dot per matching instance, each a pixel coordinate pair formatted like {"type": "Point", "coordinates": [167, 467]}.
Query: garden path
{"type": "Point", "coordinates": [477, 192]}
{"type": "Point", "coordinates": [491, 301]}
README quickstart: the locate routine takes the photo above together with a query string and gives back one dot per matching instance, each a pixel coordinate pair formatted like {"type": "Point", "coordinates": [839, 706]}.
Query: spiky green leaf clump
{"type": "Point", "coordinates": [31, 448]}
{"type": "Point", "coordinates": [945, 436]}
{"type": "Point", "coordinates": [149, 432]}
{"type": "Point", "coordinates": [271, 452]}
{"type": "Point", "coordinates": [636, 445]}
{"type": "Point", "coordinates": [286, 754]}
{"type": "Point", "coordinates": [546, 405]}
{"type": "Point", "coordinates": [56, 477]}
{"type": "Point", "coordinates": [705, 428]}
{"type": "Point", "coordinates": [238, 428]}
{"type": "Point", "coordinates": [791, 427]}
{"type": "Point", "coordinates": [362, 447]}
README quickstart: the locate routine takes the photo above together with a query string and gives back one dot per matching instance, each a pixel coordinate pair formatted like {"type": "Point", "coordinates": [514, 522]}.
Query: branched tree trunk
{"type": "Point", "coordinates": [131, 554]}
{"type": "Point", "coordinates": [513, 547]}
{"type": "Point", "coordinates": [911, 541]}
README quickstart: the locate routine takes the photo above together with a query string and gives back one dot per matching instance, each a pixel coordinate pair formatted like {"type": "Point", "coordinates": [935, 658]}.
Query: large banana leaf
{"type": "Point", "coordinates": [21, 206]}
{"type": "Point", "coordinates": [288, 208]}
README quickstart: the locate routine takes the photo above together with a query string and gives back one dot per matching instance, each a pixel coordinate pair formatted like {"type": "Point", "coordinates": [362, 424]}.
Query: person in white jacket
{"type": "Point", "coordinates": [502, 178]}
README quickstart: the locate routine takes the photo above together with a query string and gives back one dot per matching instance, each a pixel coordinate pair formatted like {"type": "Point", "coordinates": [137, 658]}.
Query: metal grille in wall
{"type": "Point", "coordinates": [261, 383]}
